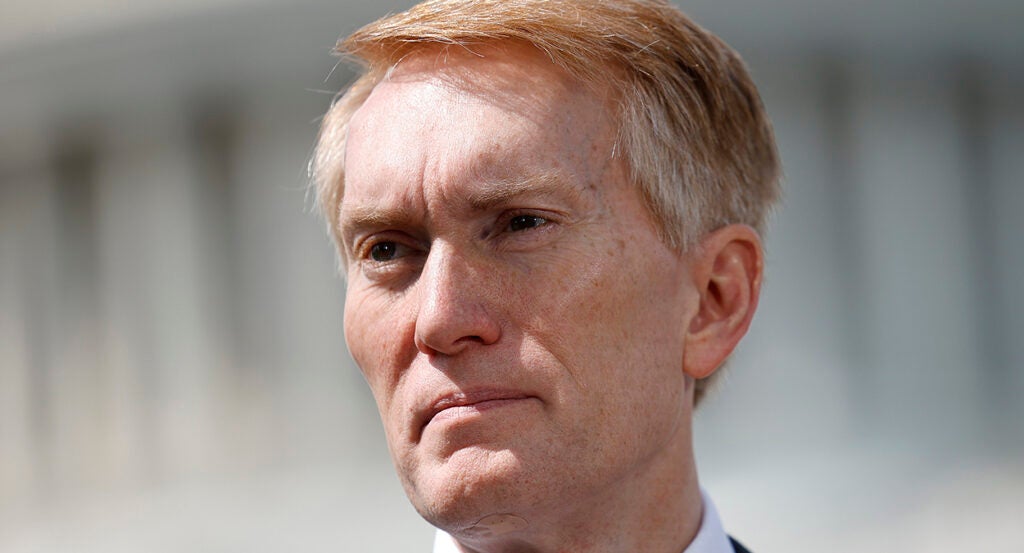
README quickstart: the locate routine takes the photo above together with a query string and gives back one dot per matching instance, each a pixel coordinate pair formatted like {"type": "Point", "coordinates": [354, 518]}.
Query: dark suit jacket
{"type": "Point", "coordinates": [738, 546]}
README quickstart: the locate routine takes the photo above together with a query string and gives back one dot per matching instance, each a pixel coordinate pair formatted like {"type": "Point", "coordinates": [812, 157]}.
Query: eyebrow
{"type": "Point", "coordinates": [355, 219]}
{"type": "Point", "coordinates": [491, 194]}
{"type": "Point", "coordinates": [498, 192]}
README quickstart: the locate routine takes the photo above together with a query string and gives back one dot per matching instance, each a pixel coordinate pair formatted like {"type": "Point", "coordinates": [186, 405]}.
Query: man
{"type": "Point", "coordinates": [548, 213]}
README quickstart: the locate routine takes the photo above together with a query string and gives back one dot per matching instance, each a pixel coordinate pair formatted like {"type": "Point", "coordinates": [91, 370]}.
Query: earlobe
{"type": "Point", "coordinates": [727, 268]}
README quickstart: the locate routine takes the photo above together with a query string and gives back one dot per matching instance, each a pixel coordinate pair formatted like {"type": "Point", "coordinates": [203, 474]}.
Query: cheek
{"type": "Point", "coordinates": [613, 321]}
{"type": "Point", "coordinates": [568, 281]}
{"type": "Point", "coordinates": [375, 336]}
{"type": "Point", "coordinates": [602, 297]}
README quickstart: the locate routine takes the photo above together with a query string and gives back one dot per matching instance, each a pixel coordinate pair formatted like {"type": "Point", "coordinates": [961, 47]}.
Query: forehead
{"type": "Point", "coordinates": [488, 111]}
{"type": "Point", "coordinates": [507, 75]}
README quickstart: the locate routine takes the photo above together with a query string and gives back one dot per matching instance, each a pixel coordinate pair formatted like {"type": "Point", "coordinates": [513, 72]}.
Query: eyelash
{"type": "Point", "coordinates": [512, 219]}
{"type": "Point", "coordinates": [365, 249]}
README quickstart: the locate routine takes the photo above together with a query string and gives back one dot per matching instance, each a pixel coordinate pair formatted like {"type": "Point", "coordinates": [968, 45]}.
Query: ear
{"type": "Point", "coordinates": [726, 267]}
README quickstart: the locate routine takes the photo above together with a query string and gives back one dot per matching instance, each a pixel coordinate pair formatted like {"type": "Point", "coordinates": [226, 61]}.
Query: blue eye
{"type": "Point", "coordinates": [525, 222]}
{"type": "Point", "coordinates": [384, 251]}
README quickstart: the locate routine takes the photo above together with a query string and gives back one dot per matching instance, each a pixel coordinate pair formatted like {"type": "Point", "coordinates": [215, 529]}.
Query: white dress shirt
{"type": "Point", "coordinates": [711, 538]}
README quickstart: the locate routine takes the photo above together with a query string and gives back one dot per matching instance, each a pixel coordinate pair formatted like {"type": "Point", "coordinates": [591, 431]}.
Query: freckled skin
{"type": "Point", "coordinates": [583, 314]}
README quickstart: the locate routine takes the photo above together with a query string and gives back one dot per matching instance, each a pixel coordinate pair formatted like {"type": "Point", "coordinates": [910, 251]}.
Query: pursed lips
{"type": "Point", "coordinates": [459, 403]}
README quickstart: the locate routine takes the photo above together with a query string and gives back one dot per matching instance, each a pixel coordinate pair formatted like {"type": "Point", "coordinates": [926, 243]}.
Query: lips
{"type": "Point", "coordinates": [461, 403]}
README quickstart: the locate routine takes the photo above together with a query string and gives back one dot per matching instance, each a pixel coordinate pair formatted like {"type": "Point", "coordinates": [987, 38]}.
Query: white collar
{"type": "Point", "coordinates": [710, 538]}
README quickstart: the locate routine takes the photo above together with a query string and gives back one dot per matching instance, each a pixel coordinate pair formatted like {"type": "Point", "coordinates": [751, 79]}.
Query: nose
{"type": "Point", "coordinates": [456, 310]}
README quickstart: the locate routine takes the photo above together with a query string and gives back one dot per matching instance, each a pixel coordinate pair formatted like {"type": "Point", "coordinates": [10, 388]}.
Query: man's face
{"type": "Point", "coordinates": [509, 301]}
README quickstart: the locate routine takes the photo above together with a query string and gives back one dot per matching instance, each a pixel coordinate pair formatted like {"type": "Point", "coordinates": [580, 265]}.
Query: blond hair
{"type": "Point", "coordinates": [691, 126]}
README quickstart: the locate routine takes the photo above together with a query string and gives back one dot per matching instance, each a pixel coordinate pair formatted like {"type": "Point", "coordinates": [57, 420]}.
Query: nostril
{"type": "Point", "coordinates": [449, 327]}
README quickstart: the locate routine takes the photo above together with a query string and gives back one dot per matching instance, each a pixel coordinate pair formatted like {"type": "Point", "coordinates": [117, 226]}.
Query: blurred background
{"type": "Point", "coordinates": [173, 375]}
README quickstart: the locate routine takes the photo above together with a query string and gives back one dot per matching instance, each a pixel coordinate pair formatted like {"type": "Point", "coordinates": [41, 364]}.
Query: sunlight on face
{"type": "Point", "coordinates": [509, 301]}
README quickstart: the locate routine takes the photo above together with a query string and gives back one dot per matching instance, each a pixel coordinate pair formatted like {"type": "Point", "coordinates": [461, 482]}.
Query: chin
{"type": "Point", "coordinates": [454, 493]}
